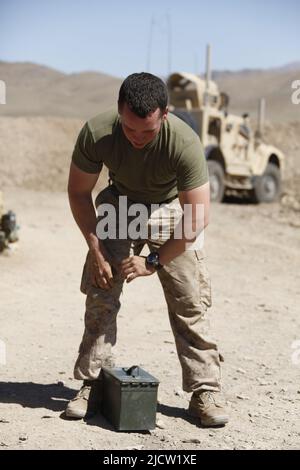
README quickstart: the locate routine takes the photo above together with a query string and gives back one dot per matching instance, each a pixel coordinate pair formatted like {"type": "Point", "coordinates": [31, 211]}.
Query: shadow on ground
{"type": "Point", "coordinates": [239, 200]}
{"type": "Point", "coordinates": [55, 397]}
{"type": "Point", "coordinates": [32, 395]}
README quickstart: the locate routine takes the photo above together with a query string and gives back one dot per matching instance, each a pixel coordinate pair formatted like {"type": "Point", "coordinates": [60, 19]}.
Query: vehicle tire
{"type": "Point", "coordinates": [267, 187]}
{"type": "Point", "coordinates": [216, 180]}
{"type": "Point", "coordinates": [186, 117]}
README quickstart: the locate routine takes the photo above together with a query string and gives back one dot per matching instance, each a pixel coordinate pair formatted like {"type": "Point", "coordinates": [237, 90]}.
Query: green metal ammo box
{"type": "Point", "coordinates": [129, 398]}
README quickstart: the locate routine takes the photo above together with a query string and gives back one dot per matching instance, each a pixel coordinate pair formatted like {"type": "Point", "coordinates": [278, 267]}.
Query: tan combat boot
{"type": "Point", "coordinates": [204, 405]}
{"type": "Point", "coordinates": [87, 401]}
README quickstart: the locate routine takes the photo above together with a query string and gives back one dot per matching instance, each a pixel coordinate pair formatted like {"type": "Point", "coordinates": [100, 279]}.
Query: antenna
{"type": "Point", "coordinates": [169, 40]}
{"type": "Point", "coordinates": [169, 25]}
{"type": "Point", "coordinates": [149, 49]}
{"type": "Point", "coordinates": [196, 63]}
{"type": "Point", "coordinates": [261, 118]}
{"type": "Point", "coordinates": [208, 71]}
{"type": "Point", "coordinates": [207, 76]}
{"type": "Point", "coordinates": [261, 114]}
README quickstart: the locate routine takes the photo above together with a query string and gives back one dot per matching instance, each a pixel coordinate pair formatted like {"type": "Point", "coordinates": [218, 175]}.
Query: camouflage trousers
{"type": "Point", "coordinates": [186, 285]}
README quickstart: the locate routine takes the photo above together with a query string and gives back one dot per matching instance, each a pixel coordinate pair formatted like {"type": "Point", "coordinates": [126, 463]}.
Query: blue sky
{"type": "Point", "coordinates": [113, 36]}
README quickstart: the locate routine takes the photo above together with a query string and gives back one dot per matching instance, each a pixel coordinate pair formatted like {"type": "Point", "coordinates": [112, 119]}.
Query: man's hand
{"type": "Point", "coordinates": [100, 270]}
{"type": "Point", "coordinates": [135, 266]}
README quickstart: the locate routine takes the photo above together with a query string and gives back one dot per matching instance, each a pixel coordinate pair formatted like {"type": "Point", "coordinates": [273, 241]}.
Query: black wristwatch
{"type": "Point", "coordinates": [153, 260]}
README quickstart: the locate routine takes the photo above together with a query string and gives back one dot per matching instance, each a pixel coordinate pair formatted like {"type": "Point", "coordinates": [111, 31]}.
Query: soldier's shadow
{"type": "Point", "coordinates": [52, 397]}
{"type": "Point", "coordinates": [33, 395]}
{"type": "Point", "coordinates": [171, 411]}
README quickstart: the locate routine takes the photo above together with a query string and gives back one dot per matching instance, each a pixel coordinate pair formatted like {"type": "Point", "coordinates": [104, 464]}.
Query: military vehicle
{"type": "Point", "coordinates": [8, 227]}
{"type": "Point", "coordinates": [238, 159]}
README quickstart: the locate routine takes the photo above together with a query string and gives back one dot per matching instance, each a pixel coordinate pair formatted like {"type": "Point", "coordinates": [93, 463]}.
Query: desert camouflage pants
{"type": "Point", "coordinates": [186, 285]}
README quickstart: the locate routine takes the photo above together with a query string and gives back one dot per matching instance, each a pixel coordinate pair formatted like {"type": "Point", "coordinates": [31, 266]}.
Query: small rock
{"type": "Point", "coordinates": [270, 395]}
{"type": "Point", "coordinates": [160, 424]}
{"type": "Point", "coordinates": [46, 417]}
{"type": "Point", "coordinates": [193, 440]}
{"type": "Point", "coordinates": [23, 437]}
{"type": "Point", "coordinates": [140, 447]}
{"type": "Point", "coordinates": [242, 397]}
{"type": "Point", "coordinates": [61, 383]}
{"type": "Point", "coordinates": [262, 382]}
{"type": "Point", "coordinates": [4, 421]}
{"type": "Point", "coordinates": [241, 371]}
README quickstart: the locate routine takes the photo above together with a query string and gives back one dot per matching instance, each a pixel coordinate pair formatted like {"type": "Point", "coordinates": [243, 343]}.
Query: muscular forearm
{"type": "Point", "coordinates": [195, 206]}
{"type": "Point", "coordinates": [84, 214]}
{"type": "Point", "coordinates": [175, 247]}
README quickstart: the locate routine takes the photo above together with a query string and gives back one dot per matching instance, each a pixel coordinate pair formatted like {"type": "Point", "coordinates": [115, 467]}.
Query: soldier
{"type": "Point", "coordinates": [153, 158]}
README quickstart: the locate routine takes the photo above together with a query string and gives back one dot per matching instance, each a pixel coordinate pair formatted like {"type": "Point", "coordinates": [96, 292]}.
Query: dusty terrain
{"type": "Point", "coordinates": [253, 257]}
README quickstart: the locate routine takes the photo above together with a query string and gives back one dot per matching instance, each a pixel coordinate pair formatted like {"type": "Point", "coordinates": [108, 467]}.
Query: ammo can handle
{"type": "Point", "coordinates": [133, 371]}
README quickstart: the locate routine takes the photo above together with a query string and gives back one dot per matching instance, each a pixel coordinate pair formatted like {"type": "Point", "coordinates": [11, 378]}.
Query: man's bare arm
{"type": "Point", "coordinates": [135, 266]}
{"type": "Point", "coordinates": [80, 188]}
{"type": "Point", "coordinates": [174, 247]}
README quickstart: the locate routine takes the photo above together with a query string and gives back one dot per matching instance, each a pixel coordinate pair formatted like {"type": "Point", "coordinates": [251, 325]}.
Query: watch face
{"type": "Point", "coordinates": [153, 258]}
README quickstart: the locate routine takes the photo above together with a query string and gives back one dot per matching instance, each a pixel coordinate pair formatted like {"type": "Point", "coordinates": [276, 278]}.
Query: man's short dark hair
{"type": "Point", "coordinates": [143, 93]}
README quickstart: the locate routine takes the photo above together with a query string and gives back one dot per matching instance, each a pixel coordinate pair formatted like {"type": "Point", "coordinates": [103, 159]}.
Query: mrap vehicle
{"type": "Point", "coordinates": [238, 159]}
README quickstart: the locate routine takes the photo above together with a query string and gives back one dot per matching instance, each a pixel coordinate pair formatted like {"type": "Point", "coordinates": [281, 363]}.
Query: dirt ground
{"type": "Point", "coordinates": [253, 257]}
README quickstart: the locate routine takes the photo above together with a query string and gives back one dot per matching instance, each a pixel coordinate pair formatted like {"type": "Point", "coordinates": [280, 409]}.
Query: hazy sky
{"type": "Point", "coordinates": [113, 36]}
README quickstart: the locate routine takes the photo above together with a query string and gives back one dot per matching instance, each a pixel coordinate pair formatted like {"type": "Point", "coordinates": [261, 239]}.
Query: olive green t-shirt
{"type": "Point", "coordinates": [173, 161]}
